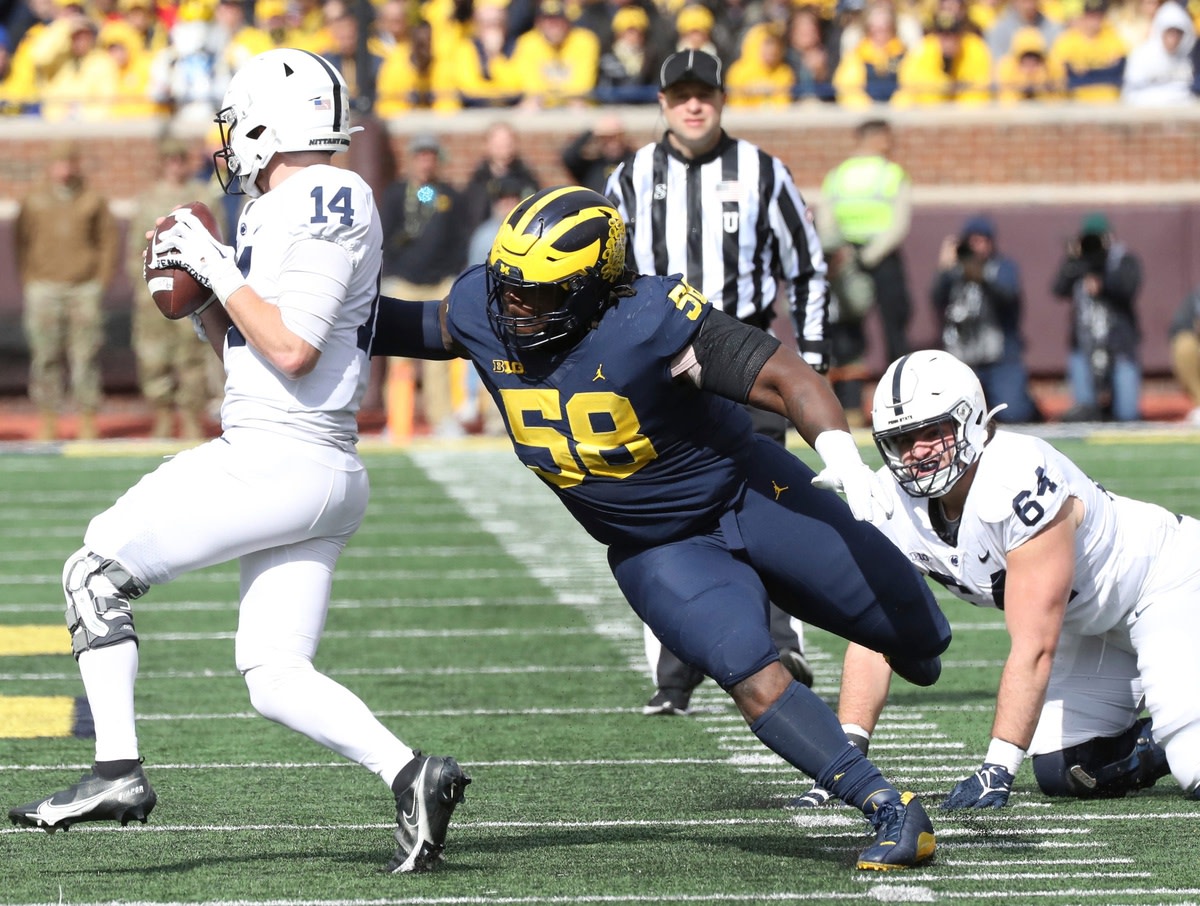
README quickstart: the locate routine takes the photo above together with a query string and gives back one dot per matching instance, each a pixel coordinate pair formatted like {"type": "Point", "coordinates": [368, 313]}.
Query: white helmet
{"type": "Point", "coordinates": [927, 388]}
{"type": "Point", "coordinates": [281, 100]}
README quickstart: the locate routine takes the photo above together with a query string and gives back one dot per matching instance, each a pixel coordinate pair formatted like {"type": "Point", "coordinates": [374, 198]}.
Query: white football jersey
{"type": "Point", "coordinates": [1020, 484]}
{"type": "Point", "coordinates": [322, 203]}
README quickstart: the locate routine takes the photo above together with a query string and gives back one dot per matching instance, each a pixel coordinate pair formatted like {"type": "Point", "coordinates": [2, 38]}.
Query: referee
{"type": "Point", "coordinates": [726, 215]}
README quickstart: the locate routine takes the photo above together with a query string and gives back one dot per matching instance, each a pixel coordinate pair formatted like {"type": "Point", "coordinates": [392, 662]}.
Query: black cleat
{"type": "Point", "coordinates": [797, 665]}
{"type": "Point", "coordinates": [423, 811]}
{"type": "Point", "coordinates": [126, 798]}
{"type": "Point", "coordinates": [668, 701]}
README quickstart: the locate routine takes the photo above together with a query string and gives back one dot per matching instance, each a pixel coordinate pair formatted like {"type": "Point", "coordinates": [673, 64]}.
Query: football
{"type": "Point", "coordinates": [174, 290]}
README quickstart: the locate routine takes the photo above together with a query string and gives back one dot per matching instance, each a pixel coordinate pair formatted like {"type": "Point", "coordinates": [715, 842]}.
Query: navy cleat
{"type": "Point", "coordinates": [126, 798]}
{"type": "Point", "coordinates": [423, 811]}
{"type": "Point", "coordinates": [668, 701]}
{"type": "Point", "coordinates": [903, 834]}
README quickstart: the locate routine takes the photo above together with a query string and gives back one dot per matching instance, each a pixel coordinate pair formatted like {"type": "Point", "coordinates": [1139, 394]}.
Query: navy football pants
{"type": "Point", "coordinates": [706, 596]}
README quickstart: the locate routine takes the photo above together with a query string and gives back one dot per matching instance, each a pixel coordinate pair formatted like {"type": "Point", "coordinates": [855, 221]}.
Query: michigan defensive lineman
{"type": "Point", "coordinates": [621, 391]}
{"type": "Point", "coordinates": [283, 489]}
{"type": "Point", "coordinates": [1095, 588]}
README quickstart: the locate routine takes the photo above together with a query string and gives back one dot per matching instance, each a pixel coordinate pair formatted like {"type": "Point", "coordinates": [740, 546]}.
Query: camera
{"type": "Point", "coordinates": [963, 251]}
{"type": "Point", "coordinates": [1093, 251]}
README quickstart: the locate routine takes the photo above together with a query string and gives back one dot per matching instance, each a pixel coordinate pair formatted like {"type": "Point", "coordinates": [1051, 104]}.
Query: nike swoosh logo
{"type": "Point", "coordinates": [52, 813]}
{"type": "Point", "coordinates": [1139, 611]}
{"type": "Point", "coordinates": [983, 558]}
{"type": "Point", "coordinates": [411, 819]}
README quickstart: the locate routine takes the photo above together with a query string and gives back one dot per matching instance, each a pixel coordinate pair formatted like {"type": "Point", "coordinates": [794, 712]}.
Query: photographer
{"type": "Point", "coordinates": [977, 294]}
{"type": "Point", "coordinates": [1184, 336]}
{"type": "Point", "coordinates": [1101, 278]}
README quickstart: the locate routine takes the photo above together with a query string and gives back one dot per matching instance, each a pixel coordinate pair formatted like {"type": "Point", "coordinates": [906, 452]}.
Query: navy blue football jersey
{"type": "Point", "coordinates": [637, 456]}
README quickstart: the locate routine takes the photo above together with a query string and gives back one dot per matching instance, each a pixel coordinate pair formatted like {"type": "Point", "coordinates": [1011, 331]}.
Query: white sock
{"type": "Point", "coordinates": [326, 712]}
{"type": "Point", "coordinates": [108, 678]}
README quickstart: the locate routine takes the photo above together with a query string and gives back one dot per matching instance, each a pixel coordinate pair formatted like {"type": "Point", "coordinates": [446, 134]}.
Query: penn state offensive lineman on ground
{"type": "Point", "coordinates": [283, 489]}
{"type": "Point", "coordinates": [1097, 591]}
{"type": "Point", "coordinates": [621, 391]}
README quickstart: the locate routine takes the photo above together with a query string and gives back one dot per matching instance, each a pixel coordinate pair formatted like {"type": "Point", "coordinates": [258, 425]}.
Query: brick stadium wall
{"type": "Point", "coordinates": [1035, 170]}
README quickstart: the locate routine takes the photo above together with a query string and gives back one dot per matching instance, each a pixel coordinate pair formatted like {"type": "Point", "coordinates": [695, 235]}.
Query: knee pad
{"type": "Point", "coordinates": [98, 593]}
{"type": "Point", "coordinates": [1107, 767]}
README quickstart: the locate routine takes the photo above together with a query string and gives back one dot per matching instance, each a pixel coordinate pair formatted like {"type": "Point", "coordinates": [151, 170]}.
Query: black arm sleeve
{"type": "Point", "coordinates": [731, 354]}
{"type": "Point", "coordinates": [409, 329]}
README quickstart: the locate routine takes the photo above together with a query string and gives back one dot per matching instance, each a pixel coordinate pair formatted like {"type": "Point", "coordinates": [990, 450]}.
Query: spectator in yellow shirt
{"type": "Point", "coordinates": [762, 78]}
{"type": "Point", "coordinates": [412, 78]}
{"type": "Point", "coordinates": [272, 17]}
{"type": "Point", "coordinates": [870, 72]}
{"type": "Point", "coordinates": [390, 29]}
{"type": "Point", "coordinates": [481, 64]}
{"type": "Point", "coordinates": [143, 16]}
{"type": "Point", "coordinates": [235, 40]}
{"type": "Point", "coordinates": [132, 96]}
{"type": "Point", "coordinates": [950, 65]}
{"type": "Point", "coordinates": [555, 61]}
{"type": "Point", "coordinates": [18, 90]}
{"type": "Point", "coordinates": [1092, 54]}
{"type": "Point", "coordinates": [83, 87]}
{"type": "Point", "coordinates": [1025, 73]}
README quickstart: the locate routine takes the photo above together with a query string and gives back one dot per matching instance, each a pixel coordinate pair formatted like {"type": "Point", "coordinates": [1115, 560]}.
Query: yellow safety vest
{"type": "Point", "coordinates": [861, 191]}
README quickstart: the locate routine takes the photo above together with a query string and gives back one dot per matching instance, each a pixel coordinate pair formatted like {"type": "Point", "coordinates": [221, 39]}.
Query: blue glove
{"type": "Point", "coordinates": [986, 788]}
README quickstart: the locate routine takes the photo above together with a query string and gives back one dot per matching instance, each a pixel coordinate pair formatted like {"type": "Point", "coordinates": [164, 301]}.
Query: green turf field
{"type": "Point", "coordinates": [477, 620]}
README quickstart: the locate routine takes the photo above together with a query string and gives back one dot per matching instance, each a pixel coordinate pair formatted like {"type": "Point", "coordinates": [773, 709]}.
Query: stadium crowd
{"type": "Point", "coordinates": [79, 60]}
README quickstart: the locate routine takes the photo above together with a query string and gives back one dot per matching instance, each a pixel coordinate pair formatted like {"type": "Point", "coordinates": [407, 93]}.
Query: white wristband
{"type": "Point", "coordinates": [1006, 755]}
{"type": "Point", "coordinates": [837, 447]}
{"type": "Point", "coordinates": [226, 281]}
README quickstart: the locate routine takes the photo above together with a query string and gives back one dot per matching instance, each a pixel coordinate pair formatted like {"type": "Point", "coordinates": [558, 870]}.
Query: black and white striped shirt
{"type": "Point", "coordinates": [733, 223]}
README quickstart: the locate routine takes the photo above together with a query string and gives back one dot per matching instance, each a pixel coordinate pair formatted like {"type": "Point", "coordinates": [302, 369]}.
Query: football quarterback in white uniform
{"type": "Point", "coordinates": [1094, 588]}
{"type": "Point", "coordinates": [283, 489]}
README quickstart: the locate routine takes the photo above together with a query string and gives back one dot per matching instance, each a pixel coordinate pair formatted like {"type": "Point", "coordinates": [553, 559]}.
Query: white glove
{"type": "Point", "coordinates": [845, 472]}
{"type": "Point", "coordinates": [188, 245]}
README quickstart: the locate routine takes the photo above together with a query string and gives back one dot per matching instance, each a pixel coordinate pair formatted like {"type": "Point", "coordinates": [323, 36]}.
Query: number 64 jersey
{"type": "Point", "coordinates": [1123, 547]}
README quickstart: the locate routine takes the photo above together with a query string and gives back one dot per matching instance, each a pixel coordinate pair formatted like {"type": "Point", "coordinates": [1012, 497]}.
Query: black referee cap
{"type": "Point", "coordinates": [691, 66]}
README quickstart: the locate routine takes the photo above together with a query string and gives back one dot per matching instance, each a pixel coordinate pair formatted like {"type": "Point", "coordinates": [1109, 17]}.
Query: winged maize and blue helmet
{"type": "Point", "coordinates": [925, 388]}
{"type": "Point", "coordinates": [557, 257]}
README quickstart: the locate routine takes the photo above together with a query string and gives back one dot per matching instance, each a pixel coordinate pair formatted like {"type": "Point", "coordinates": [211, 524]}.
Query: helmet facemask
{"type": "Point", "coordinates": [935, 474]}
{"type": "Point", "coordinates": [553, 268]}
{"type": "Point", "coordinates": [241, 170]}
{"type": "Point", "coordinates": [563, 311]}
{"type": "Point", "coordinates": [923, 396]}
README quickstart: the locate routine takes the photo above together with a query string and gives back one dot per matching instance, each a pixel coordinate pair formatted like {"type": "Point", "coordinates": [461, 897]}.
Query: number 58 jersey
{"type": "Point", "coordinates": [637, 456]}
{"type": "Point", "coordinates": [1020, 485]}
{"type": "Point", "coordinates": [312, 246]}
